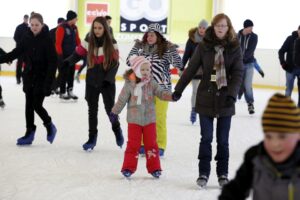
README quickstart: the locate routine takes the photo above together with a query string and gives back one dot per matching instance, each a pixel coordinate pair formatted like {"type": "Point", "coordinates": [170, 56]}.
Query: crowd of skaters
{"type": "Point", "coordinates": [223, 60]}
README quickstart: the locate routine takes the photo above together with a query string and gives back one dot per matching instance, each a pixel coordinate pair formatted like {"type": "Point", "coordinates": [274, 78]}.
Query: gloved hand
{"type": "Point", "coordinates": [113, 117]}
{"type": "Point", "coordinates": [176, 96]}
{"type": "Point", "coordinates": [261, 73]}
{"type": "Point", "coordinates": [229, 101]}
{"type": "Point", "coordinates": [284, 65]}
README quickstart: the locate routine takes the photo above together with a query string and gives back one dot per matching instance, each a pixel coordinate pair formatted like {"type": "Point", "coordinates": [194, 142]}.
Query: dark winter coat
{"type": "Point", "coordinates": [40, 61]}
{"type": "Point", "coordinates": [209, 100]}
{"type": "Point", "coordinates": [297, 52]}
{"type": "Point", "coordinates": [292, 53]}
{"type": "Point", "coordinates": [248, 45]}
{"type": "Point", "coordinates": [267, 180]}
{"type": "Point", "coordinates": [190, 47]}
{"type": "Point", "coordinates": [20, 31]}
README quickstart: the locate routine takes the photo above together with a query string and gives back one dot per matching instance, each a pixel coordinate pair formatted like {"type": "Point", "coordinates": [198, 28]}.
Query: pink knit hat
{"type": "Point", "coordinates": [136, 63]}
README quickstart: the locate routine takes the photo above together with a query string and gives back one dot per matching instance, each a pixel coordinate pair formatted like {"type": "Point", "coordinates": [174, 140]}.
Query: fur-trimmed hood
{"type": "Point", "coordinates": [192, 32]}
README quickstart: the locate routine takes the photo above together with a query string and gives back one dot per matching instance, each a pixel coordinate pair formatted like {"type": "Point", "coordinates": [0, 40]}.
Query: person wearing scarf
{"type": "Point", "coordinates": [219, 56]}
{"type": "Point", "coordinates": [139, 93]}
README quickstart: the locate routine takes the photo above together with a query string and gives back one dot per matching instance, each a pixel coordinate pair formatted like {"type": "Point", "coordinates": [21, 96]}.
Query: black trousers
{"type": "Point", "coordinates": [92, 97]}
{"type": "Point", "coordinates": [34, 103]}
{"type": "Point", "coordinates": [66, 77]}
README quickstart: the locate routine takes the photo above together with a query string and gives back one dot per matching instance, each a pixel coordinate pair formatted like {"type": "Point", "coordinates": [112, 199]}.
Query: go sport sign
{"type": "Point", "coordinates": [136, 15]}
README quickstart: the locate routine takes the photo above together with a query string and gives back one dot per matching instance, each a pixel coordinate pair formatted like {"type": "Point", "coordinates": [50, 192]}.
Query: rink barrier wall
{"type": "Point", "coordinates": [267, 58]}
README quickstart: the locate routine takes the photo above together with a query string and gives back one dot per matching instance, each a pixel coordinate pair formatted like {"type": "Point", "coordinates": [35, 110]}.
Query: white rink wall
{"type": "Point", "coordinates": [267, 58]}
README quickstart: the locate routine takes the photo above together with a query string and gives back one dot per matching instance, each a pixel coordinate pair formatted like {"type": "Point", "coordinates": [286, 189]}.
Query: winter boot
{"type": "Point", "coordinates": [223, 180]}
{"type": "Point", "coordinates": [127, 173]}
{"type": "Point", "coordinates": [51, 132]}
{"type": "Point", "coordinates": [193, 116]}
{"type": "Point", "coordinates": [2, 104]}
{"type": "Point", "coordinates": [71, 94]}
{"type": "Point", "coordinates": [27, 138]}
{"type": "Point", "coordinates": [156, 173]}
{"type": "Point", "coordinates": [202, 181]}
{"type": "Point", "coordinates": [118, 133]}
{"type": "Point", "coordinates": [251, 108]}
{"type": "Point", "coordinates": [64, 96]}
{"type": "Point", "coordinates": [161, 152]}
{"type": "Point", "coordinates": [91, 143]}
{"type": "Point", "coordinates": [142, 151]}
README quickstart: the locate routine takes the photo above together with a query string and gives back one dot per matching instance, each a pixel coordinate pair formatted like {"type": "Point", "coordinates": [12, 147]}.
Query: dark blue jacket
{"type": "Point", "coordinates": [248, 45]}
{"type": "Point", "coordinates": [20, 31]}
{"type": "Point", "coordinates": [288, 48]}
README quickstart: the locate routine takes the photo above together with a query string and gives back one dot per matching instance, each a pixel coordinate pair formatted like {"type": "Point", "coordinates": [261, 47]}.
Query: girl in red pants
{"type": "Point", "coordinates": [138, 93]}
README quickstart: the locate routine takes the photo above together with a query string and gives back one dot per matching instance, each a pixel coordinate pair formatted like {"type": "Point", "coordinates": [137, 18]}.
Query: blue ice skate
{"type": "Point", "coordinates": [27, 139]}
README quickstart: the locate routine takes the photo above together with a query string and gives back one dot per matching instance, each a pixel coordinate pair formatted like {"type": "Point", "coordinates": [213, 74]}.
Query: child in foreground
{"type": "Point", "coordinates": [138, 93]}
{"type": "Point", "coordinates": [271, 169]}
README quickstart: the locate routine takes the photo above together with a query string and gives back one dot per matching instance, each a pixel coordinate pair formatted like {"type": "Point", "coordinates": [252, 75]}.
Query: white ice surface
{"type": "Point", "coordinates": [63, 171]}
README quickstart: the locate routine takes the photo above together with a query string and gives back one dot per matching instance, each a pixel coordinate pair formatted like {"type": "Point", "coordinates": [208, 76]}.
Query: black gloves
{"type": "Point", "coordinates": [261, 73]}
{"type": "Point", "coordinates": [113, 117]}
{"type": "Point", "coordinates": [229, 101]}
{"type": "Point", "coordinates": [176, 96]}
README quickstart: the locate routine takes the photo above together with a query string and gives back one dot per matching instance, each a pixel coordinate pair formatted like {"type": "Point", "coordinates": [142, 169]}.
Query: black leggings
{"type": "Point", "coordinates": [92, 97]}
{"type": "Point", "coordinates": [34, 102]}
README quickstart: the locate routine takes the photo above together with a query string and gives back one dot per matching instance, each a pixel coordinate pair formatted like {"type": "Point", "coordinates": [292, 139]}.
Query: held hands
{"type": "Point", "coordinates": [176, 96]}
{"type": "Point", "coordinates": [229, 101]}
{"type": "Point", "coordinates": [113, 117]}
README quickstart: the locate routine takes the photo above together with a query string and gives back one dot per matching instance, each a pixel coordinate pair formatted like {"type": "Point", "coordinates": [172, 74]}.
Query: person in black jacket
{"type": "Point", "coordinates": [289, 53]}
{"type": "Point", "coordinates": [21, 29]}
{"type": "Point", "coordinates": [195, 36]}
{"type": "Point", "coordinates": [248, 41]}
{"type": "Point", "coordinates": [40, 64]}
{"type": "Point", "coordinates": [271, 169]}
{"type": "Point", "coordinates": [52, 32]}
{"type": "Point", "coordinates": [103, 62]}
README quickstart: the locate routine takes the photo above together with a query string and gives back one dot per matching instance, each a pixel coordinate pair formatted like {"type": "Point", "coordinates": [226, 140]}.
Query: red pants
{"type": "Point", "coordinates": [135, 135]}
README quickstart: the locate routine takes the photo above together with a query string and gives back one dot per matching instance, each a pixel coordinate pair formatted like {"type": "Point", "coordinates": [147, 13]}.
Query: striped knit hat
{"type": "Point", "coordinates": [281, 115]}
{"type": "Point", "coordinates": [136, 63]}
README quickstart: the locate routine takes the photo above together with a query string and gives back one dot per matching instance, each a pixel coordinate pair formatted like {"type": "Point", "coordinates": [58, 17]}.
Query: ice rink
{"type": "Point", "coordinates": [63, 171]}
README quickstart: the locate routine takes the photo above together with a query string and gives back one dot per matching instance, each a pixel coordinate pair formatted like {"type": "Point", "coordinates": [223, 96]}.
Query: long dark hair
{"type": "Point", "coordinates": [162, 43]}
{"type": "Point", "coordinates": [108, 48]}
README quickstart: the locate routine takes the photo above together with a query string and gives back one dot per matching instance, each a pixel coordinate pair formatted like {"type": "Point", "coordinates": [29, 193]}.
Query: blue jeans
{"type": "Point", "coordinates": [205, 152]}
{"type": "Point", "coordinates": [247, 82]}
{"type": "Point", "coordinates": [290, 78]}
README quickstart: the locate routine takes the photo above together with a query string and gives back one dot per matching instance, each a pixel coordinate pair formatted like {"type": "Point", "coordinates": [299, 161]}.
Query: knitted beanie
{"type": "Point", "coordinates": [203, 23]}
{"type": "Point", "coordinates": [136, 63]}
{"type": "Point", "coordinates": [281, 115]}
{"type": "Point", "coordinates": [71, 15]}
{"type": "Point", "coordinates": [248, 23]}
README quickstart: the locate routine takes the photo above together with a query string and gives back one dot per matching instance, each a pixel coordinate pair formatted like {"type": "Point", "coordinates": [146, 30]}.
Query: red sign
{"type": "Point", "coordinates": [94, 10]}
